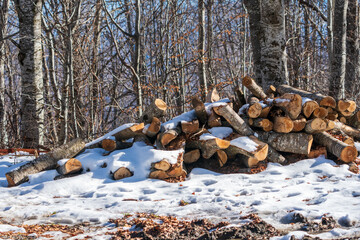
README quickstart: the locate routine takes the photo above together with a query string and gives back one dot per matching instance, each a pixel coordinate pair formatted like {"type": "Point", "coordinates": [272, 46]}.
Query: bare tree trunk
{"type": "Point", "coordinates": [138, 54]}
{"type": "Point", "coordinates": [330, 17]}
{"type": "Point", "coordinates": [201, 50]}
{"type": "Point", "coordinates": [4, 10]}
{"type": "Point", "coordinates": [352, 47]}
{"type": "Point", "coordinates": [338, 61]}
{"type": "Point", "coordinates": [30, 58]}
{"type": "Point", "coordinates": [307, 49]}
{"type": "Point", "coordinates": [209, 11]}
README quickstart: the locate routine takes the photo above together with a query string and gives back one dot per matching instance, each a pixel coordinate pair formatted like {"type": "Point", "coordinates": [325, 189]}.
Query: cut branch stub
{"type": "Point", "coordinates": [121, 173]}
{"type": "Point", "coordinates": [342, 150]}
{"type": "Point", "coordinates": [290, 103]}
{"type": "Point", "coordinates": [70, 166]}
{"type": "Point", "coordinates": [234, 119]}
{"type": "Point", "coordinates": [44, 162]}
{"type": "Point", "coordinates": [156, 109]}
{"type": "Point", "coordinates": [200, 110]}
{"type": "Point", "coordinates": [129, 132]}
{"type": "Point", "coordinates": [255, 89]}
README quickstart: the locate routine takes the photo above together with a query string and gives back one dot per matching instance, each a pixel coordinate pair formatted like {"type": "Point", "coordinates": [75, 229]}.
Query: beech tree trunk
{"type": "Point", "coordinates": [30, 59]}
{"type": "Point", "coordinates": [44, 162]}
{"type": "Point", "coordinates": [201, 50]}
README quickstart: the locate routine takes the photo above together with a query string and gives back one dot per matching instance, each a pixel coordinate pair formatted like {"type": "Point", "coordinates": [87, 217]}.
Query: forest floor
{"type": "Point", "coordinates": [315, 198]}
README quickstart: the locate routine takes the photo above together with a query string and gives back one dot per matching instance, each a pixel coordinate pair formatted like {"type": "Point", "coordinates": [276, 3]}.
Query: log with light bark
{"type": "Point", "coordinates": [209, 145]}
{"type": "Point", "coordinates": [263, 123]}
{"type": "Point", "coordinates": [70, 166]}
{"type": "Point", "coordinates": [214, 120]}
{"type": "Point", "coordinates": [129, 132]}
{"type": "Point", "coordinates": [320, 112]}
{"type": "Point", "coordinates": [255, 89]}
{"type": "Point", "coordinates": [341, 150]}
{"type": "Point", "coordinates": [283, 124]}
{"type": "Point", "coordinates": [249, 146]}
{"type": "Point", "coordinates": [255, 108]}
{"type": "Point", "coordinates": [44, 162]}
{"type": "Point", "coordinates": [353, 132]}
{"type": "Point", "coordinates": [111, 145]}
{"type": "Point", "coordinates": [212, 96]}
{"type": "Point", "coordinates": [342, 136]}
{"type": "Point", "coordinates": [200, 110]}
{"type": "Point", "coordinates": [192, 156]}
{"type": "Point", "coordinates": [290, 103]}
{"type": "Point", "coordinates": [234, 119]}
{"type": "Point", "coordinates": [315, 125]}
{"type": "Point", "coordinates": [154, 128]}
{"type": "Point", "coordinates": [122, 172]}
{"type": "Point", "coordinates": [354, 120]}
{"type": "Point", "coordinates": [190, 127]}
{"type": "Point", "coordinates": [156, 109]}
{"type": "Point", "coordinates": [323, 100]}
{"type": "Point", "coordinates": [273, 155]}
{"type": "Point", "coordinates": [299, 124]}
{"type": "Point", "coordinates": [222, 157]}
{"type": "Point", "coordinates": [163, 165]}
{"type": "Point", "coordinates": [288, 142]}
{"type": "Point", "coordinates": [308, 107]}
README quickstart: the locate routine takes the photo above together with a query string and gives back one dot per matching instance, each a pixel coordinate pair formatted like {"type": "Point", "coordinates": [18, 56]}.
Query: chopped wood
{"type": "Point", "coordinates": [141, 137]}
{"type": "Point", "coordinates": [265, 112]}
{"type": "Point", "coordinates": [354, 168]}
{"type": "Point", "coordinates": [154, 128]}
{"type": "Point", "coordinates": [254, 110]}
{"type": "Point", "coordinates": [314, 153]}
{"type": "Point", "coordinates": [121, 173]}
{"type": "Point", "coordinates": [70, 166]}
{"type": "Point", "coordinates": [129, 132]}
{"type": "Point", "coordinates": [271, 91]}
{"type": "Point", "coordinates": [315, 125]}
{"type": "Point", "coordinates": [329, 124]}
{"type": "Point", "coordinates": [353, 132]}
{"type": "Point", "coordinates": [343, 120]}
{"type": "Point", "coordinates": [192, 156]}
{"type": "Point", "coordinates": [283, 125]}
{"type": "Point", "coordinates": [212, 96]}
{"type": "Point", "coordinates": [299, 124]}
{"type": "Point", "coordinates": [320, 112]}
{"type": "Point", "coordinates": [354, 120]}
{"type": "Point", "coordinates": [352, 106]}
{"type": "Point", "coordinates": [44, 162]}
{"type": "Point", "coordinates": [346, 113]}
{"type": "Point", "coordinates": [190, 127]}
{"type": "Point", "coordinates": [156, 109]}
{"type": "Point", "coordinates": [221, 157]}
{"type": "Point", "coordinates": [158, 174]}
{"type": "Point", "coordinates": [339, 134]}
{"type": "Point", "coordinates": [163, 165]}
{"type": "Point", "coordinates": [247, 161]}
{"type": "Point", "coordinates": [263, 123]}
{"type": "Point", "coordinates": [342, 105]}
{"type": "Point", "coordinates": [214, 120]}
{"type": "Point", "coordinates": [290, 103]}
{"type": "Point", "coordinates": [255, 89]}
{"type": "Point", "coordinates": [200, 110]}
{"type": "Point", "coordinates": [234, 119]}
{"type": "Point", "coordinates": [323, 100]}
{"type": "Point", "coordinates": [290, 142]}
{"type": "Point", "coordinates": [309, 107]}
{"type": "Point", "coordinates": [239, 145]}
{"type": "Point", "coordinates": [111, 145]}
{"type": "Point", "coordinates": [240, 96]}
{"type": "Point", "coordinates": [210, 146]}
{"type": "Point", "coordinates": [342, 150]}
{"type": "Point", "coordinates": [273, 155]}
{"type": "Point", "coordinates": [176, 170]}
{"type": "Point", "coordinates": [177, 143]}
{"type": "Point", "coordinates": [169, 135]}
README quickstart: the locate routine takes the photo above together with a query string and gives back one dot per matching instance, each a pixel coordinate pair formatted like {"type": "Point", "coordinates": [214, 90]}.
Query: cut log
{"type": "Point", "coordinates": [255, 89]}
{"type": "Point", "coordinates": [317, 152]}
{"type": "Point", "coordinates": [247, 161]}
{"type": "Point", "coordinates": [214, 120]}
{"type": "Point", "coordinates": [121, 173]}
{"type": "Point", "coordinates": [323, 100]}
{"type": "Point", "coordinates": [338, 134]}
{"type": "Point", "coordinates": [273, 155]}
{"type": "Point", "coordinates": [346, 114]}
{"type": "Point", "coordinates": [270, 93]}
{"type": "Point", "coordinates": [290, 142]}
{"type": "Point", "coordinates": [265, 112]}
{"type": "Point", "coordinates": [190, 127]}
{"type": "Point", "coordinates": [283, 125]}
{"type": "Point", "coordinates": [254, 110]}
{"type": "Point", "coordinates": [176, 170]}
{"type": "Point", "coordinates": [158, 174]}
{"type": "Point", "coordinates": [299, 124]}
{"type": "Point", "coordinates": [44, 162]}
{"type": "Point", "coordinates": [240, 96]}
{"type": "Point", "coordinates": [169, 135]}
{"type": "Point", "coordinates": [352, 106]}
{"type": "Point", "coordinates": [210, 145]}
{"type": "Point", "coordinates": [234, 119]}
{"type": "Point", "coordinates": [343, 120]}
{"type": "Point", "coordinates": [309, 107]}
{"type": "Point", "coordinates": [200, 110]}
{"type": "Point", "coordinates": [342, 150]}
{"type": "Point", "coordinates": [221, 157]}
{"type": "Point", "coordinates": [212, 96]}
{"type": "Point", "coordinates": [342, 105]}
{"type": "Point", "coordinates": [129, 132]}
{"type": "Point", "coordinates": [320, 112]}
{"type": "Point", "coordinates": [154, 128]}
{"type": "Point", "coordinates": [140, 137]}
{"type": "Point", "coordinates": [156, 109]}
{"type": "Point", "coordinates": [163, 165]}
{"type": "Point", "coordinates": [111, 145]}
{"type": "Point", "coordinates": [177, 143]}
{"type": "Point", "coordinates": [249, 146]}
{"type": "Point", "coordinates": [329, 124]}
{"type": "Point", "coordinates": [265, 124]}
{"type": "Point", "coordinates": [353, 132]}
{"type": "Point", "coordinates": [192, 156]}
{"type": "Point", "coordinates": [354, 120]}
{"type": "Point", "coordinates": [315, 125]}
{"type": "Point", "coordinates": [70, 166]}
{"type": "Point", "coordinates": [290, 103]}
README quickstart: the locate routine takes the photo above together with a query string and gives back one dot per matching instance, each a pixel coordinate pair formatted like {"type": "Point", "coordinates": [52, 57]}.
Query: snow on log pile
{"type": "Point", "coordinates": [280, 124]}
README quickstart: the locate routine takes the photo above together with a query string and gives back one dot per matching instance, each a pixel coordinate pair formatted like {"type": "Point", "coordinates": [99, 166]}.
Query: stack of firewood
{"type": "Point", "coordinates": [267, 126]}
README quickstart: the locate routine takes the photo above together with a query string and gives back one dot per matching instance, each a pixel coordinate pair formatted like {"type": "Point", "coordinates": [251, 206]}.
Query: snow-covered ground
{"type": "Point", "coordinates": [313, 187]}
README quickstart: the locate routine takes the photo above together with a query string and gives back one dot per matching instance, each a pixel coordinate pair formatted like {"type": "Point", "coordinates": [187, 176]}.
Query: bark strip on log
{"type": "Point", "coordinates": [354, 120]}
{"type": "Point", "coordinates": [353, 132]}
{"type": "Point", "coordinates": [156, 109]}
{"type": "Point", "coordinates": [342, 150]}
{"type": "Point", "coordinates": [44, 162]}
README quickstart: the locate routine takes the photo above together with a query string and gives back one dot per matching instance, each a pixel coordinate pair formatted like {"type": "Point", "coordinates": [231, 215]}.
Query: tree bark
{"type": "Point", "coordinates": [201, 50]}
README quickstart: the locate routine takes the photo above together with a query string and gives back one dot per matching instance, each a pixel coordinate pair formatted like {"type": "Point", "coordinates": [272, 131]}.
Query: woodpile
{"type": "Point", "coordinates": [229, 136]}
